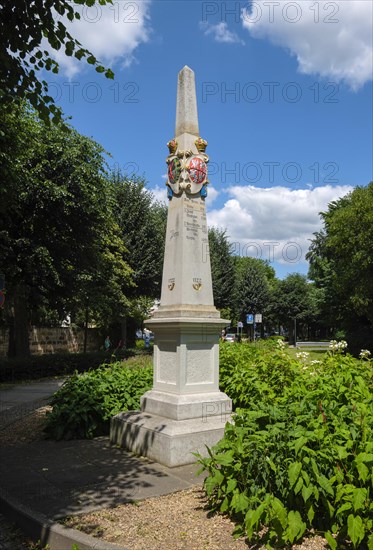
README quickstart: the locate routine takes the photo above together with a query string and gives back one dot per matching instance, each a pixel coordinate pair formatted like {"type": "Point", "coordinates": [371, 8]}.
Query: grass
{"type": "Point", "coordinates": [313, 354]}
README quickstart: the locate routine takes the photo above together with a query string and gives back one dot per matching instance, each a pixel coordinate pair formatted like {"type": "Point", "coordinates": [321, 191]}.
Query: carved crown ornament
{"type": "Point", "coordinates": [187, 170]}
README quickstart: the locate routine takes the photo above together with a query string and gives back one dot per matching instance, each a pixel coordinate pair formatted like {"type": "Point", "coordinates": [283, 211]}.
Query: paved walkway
{"type": "Point", "coordinates": [22, 399]}
{"type": "Point", "coordinates": [72, 477]}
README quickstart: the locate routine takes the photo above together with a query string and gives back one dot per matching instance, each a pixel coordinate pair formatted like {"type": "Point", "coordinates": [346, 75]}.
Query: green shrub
{"type": "Point", "coordinates": [249, 373]}
{"type": "Point", "coordinates": [84, 405]}
{"type": "Point", "coordinates": [300, 453]}
{"type": "Point", "coordinates": [140, 344]}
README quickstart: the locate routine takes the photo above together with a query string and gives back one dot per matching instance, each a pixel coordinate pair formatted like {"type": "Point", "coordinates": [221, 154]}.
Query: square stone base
{"type": "Point", "coordinates": [166, 441]}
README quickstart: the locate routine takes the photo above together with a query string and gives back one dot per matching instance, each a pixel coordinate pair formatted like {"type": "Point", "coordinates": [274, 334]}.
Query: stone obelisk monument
{"type": "Point", "coordinates": [185, 411]}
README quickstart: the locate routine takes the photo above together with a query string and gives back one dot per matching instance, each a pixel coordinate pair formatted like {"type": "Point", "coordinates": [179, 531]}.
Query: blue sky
{"type": "Point", "coordinates": [284, 93]}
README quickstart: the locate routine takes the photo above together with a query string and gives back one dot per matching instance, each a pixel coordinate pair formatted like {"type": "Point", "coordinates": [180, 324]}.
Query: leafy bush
{"type": "Point", "coordinates": [82, 408]}
{"type": "Point", "coordinates": [300, 453]}
{"type": "Point", "coordinates": [140, 344]}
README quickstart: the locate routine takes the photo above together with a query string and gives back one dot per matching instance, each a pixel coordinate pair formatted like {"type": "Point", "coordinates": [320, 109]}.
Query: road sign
{"type": "Point", "coordinates": [249, 318]}
{"type": "Point", "coordinates": [240, 324]}
{"type": "Point", "coordinates": [2, 298]}
{"type": "Point", "coordinates": [258, 317]}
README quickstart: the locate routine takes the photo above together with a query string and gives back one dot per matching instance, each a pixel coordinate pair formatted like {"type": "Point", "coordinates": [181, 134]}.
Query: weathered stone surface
{"type": "Point", "coordinates": [169, 442]}
{"type": "Point", "coordinates": [186, 104]}
{"type": "Point", "coordinates": [186, 272]}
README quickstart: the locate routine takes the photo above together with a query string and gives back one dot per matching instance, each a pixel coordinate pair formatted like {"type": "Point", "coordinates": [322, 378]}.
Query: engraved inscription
{"type": "Point", "coordinates": [194, 220]}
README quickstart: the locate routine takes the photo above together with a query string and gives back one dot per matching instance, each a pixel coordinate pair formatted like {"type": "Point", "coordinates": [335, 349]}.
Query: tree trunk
{"type": "Point", "coordinates": [12, 341]}
{"type": "Point", "coordinates": [21, 322]}
{"type": "Point", "coordinates": [86, 330]}
{"type": "Point", "coordinates": [123, 326]}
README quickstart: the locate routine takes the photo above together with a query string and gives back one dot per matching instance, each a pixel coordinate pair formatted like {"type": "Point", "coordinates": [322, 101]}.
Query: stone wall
{"type": "Point", "coordinates": [55, 340]}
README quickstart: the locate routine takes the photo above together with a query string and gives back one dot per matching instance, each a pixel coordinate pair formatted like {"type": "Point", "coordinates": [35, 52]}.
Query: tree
{"type": "Point", "coordinates": [222, 271]}
{"type": "Point", "coordinates": [61, 248]}
{"type": "Point", "coordinates": [341, 261]}
{"type": "Point", "coordinates": [142, 223]}
{"type": "Point", "coordinates": [252, 286]}
{"type": "Point", "coordinates": [23, 27]}
{"type": "Point", "coordinates": [292, 301]}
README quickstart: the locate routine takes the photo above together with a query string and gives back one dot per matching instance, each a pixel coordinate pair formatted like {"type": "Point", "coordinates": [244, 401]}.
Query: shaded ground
{"type": "Point", "coordinates": [11, 538]}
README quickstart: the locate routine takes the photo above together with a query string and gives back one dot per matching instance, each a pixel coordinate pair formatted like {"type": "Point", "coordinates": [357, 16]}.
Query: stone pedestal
{"type": "Point", "coordinates": [185, 410]}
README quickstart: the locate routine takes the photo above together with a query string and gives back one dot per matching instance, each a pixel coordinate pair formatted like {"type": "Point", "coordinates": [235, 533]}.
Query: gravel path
{"type": "Point", "coordinates": [181, 521]}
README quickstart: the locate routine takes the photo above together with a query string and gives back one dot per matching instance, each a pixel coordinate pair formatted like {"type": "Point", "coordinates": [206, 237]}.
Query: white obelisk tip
{"type": "Point", "coordinates": [186, 104]}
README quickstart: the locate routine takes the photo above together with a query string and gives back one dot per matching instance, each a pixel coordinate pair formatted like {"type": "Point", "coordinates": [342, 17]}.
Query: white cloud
{"type": "Point", "coordinates": [160, 193]}
{"type": "Point", "coordinates": [333, 39]}
{"type": "Point", "coordinates": [220, 32]}
{"type": "Point", "coordinates": [212, 194]}
{"type": "Point", "coordinates": [274, 223]}
{"type": "Point", "coordinates": [111, 32]}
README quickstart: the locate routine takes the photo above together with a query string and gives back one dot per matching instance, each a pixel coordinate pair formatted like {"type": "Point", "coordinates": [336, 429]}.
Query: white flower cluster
{"type": "Point", "coordinates": [316, 362]}
{"type": "Point", "coordinates": [338, 346]}
{"type": "Point", "coordinates": [280, 344]}
{"type": "Point", "coordinates": [364, 354]}
{"type": "Point", "coordinates": [302, 355]}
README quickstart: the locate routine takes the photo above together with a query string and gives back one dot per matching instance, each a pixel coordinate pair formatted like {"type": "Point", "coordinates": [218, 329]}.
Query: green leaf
{"type": "Point", "coordinates": [364, 457]}
{"type": "Point", "coordinates": [325, 484]}
{"type": "Point", "coordinates": [224, 505]}
{"type": "Point", "coordinates": [271, 464]}
{"type": "Point", "coordinates": [363, 471]}
{"type": "Point", "coordinates": [109, 74]}
{"type": "Point", "coordinates": [293, 472]}
{"type": "Point", "coordinates": [355, 529]}
{"type": "Point", "coordinates": [296, 527]}
{"type": "Point", "coordinates": [310, 514]}
{"type": "Point", "coordinates": [358, 498]}
{"type": "Point", "coordinates": [314, 467]}
{"type": "Point", "coordinates": [299, 443]}
{"type": "Point", "coordinates": [279, 511]}
{"type": "Point", "coordinates": [344, 508]}
{"type": "Point", "coordinates": [224, 459]}
{"type": "Point", "coordinates": [298, 485]}
{"type": "Point", "coordinates": [331, 540]}
{"type": "Point", "coordinates": [231, 485]}
{"type": "Point", "coordinates": [252, 518]}
{"type": "Point", "coordinates": [307, 492]}
{"type": "Point", "coordinates": [240, 502]}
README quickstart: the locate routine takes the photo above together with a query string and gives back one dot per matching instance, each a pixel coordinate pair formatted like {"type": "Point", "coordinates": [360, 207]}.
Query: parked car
{"type": "Point", "coordinates": [230, 337]}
